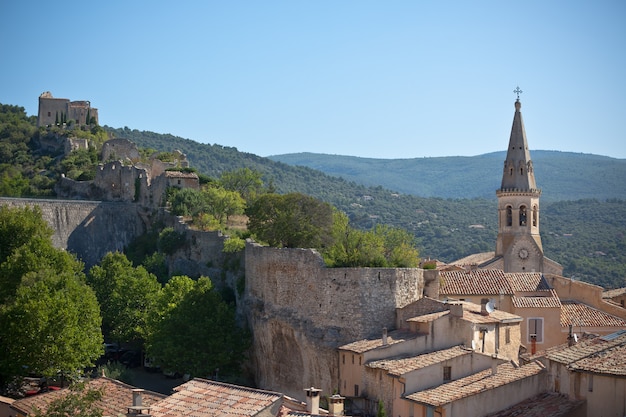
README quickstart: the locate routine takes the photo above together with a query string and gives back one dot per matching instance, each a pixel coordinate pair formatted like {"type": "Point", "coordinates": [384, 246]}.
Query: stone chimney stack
{"type": "Point", "coordinates": [313, 400]}
{"type": "Point", "coordinates": [384, 336]}
{"type": "Point", "coordinates": [456, 309]}
{"type": "Point", "coordinates": [138, 408]}
{"type": "Point", "coordinates": [483, 306]}
{"type": "Point", "coordinates": [335, 406]}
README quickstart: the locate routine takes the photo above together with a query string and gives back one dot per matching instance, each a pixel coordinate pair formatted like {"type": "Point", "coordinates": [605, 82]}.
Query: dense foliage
{"type": "Point", "coordinates": [49, 318]}
{"type": "Point", "coordinates": [193, 330]}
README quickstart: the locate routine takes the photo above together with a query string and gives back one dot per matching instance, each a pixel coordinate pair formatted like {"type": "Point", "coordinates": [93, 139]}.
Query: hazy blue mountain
{"type": "Point", "coordinates": [561, 175]}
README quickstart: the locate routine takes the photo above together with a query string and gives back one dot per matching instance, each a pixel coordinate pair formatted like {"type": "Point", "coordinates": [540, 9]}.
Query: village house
{"type": "Point", "coordinates": [592, 370]}
{"type": "Point", "coordinates": [445, 341]}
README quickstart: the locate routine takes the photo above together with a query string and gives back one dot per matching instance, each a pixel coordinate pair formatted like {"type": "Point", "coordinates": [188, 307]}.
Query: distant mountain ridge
{"type": "Point", "coordinates": [560, 175]}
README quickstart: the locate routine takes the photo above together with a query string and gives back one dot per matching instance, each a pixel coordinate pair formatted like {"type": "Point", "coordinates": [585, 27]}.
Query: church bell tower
{"type": "Point", "coordinates": [518, 242]}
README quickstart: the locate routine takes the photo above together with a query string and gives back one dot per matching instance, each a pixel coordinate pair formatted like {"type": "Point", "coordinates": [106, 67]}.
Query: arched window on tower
{"type": "Point", "coordinates": [522, 216]}
{"type": "Point", "coordinates": [535, 216]}
{"type": "Point", "coordinates": [509, 216]}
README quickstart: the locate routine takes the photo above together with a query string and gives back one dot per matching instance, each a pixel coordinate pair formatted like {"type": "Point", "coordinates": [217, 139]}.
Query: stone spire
{"type": "Point", "coordinates": [518, 172]}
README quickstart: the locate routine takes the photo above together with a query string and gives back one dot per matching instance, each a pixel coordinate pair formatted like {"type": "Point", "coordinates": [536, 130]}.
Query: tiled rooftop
{"type": "Point", "coordinates": [204, 398]}
{"type": "Point", "coordinates": [546, 404]}
{"type": "Point", "coordinates": [474, 259]}
{"type": "Point", "coordinates": [475, 384]}
{"type": "Point", "coordinates": [472, 313]}
{"type": "Point", "coordinates": [550, 300]}
{"type": "Point", "coordinates": [491, 282]}
{"type": "Point", "coordinates": [401, 366]}
{"type": "Point", "coordinates": [480, 281]}
{"type": "Point", "coordinates": [395, 336]}
{"type": "Point", "coordinates": [579, 314]}
{"type": "Point", "coordinates": [527, 281]}
{"type": "Point", "coordinates": [604, 355]}
{"type": "Point", "coordinates": [116, 399]}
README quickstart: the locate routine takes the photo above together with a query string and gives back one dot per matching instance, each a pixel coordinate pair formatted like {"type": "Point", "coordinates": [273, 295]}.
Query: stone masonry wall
{"type": "Point", "coordinates": [300, 312]}
{"type": "Point", "coordinates": [89, 229]}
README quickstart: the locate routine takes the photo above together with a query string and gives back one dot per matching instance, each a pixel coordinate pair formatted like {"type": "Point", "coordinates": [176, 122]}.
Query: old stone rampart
{"type": "Point", "coordinates": [300, 312]}
{"type": "Point", "coordinates": [89, 229]}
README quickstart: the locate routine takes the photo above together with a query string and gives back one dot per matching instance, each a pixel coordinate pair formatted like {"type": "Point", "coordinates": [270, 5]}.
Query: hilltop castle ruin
{"type": "Point", "coordinates": [61, 110]}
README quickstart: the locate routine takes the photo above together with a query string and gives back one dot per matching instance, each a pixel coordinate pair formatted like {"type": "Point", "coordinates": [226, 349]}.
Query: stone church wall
{"type": "Point", "coordinates": [300, 312]}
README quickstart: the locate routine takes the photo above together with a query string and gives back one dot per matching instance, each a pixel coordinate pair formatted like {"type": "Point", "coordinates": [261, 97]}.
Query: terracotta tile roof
{"type": "Point", "coordinates": [401, 366]}
{"type": "Point", "coordinates": [472, 313]}
{"type": "Point", "coordinates": [551, 300]}
{"type": "Point", "coordinates": [116, 399]}
{"type": "Point", "coordinates": [491, 282]}
{"type": "Point", "coordinates": [550, 404]}
{"type": "Point", "coordinates": [602, 355]}
{"type": "Point", "coordinates": [200, 398]}
{"type": "Point", "coordinates": [579, 314]}
{"type": "Point", "coordinates": [475, 384]}
{"type": "Point", "coordinates": [477, 282]}
{"type": "Point", "coordinates": [527, 281]}
{"type": "Point", "coordinates": [425, 318]}
{"type": "Point", "coordinates": [611, 361]}
{"type": "Point", "coordinates": [395, 336]}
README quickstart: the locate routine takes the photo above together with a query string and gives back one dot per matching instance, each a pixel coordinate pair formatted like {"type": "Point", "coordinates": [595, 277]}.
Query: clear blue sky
{"type": "Point", "coordinates": [382, 79]}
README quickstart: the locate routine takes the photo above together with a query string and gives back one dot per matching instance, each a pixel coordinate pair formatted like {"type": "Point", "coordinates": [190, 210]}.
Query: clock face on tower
{"type": "Point", "coordinates": [523, 253]}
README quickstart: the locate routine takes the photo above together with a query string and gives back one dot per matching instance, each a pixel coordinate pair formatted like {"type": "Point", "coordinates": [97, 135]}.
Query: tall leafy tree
{"type": "Point", "coordinates": [195, 331]}
{"type": "Point", "coordinates": [53, 324]}
{"type": "Point", "coordinates": [222, 203]}
{"type": "Point", "coordinates": [247, 182]}
{"type": "Point", "coordinates": [18, 226]}
{"type": "Point", "coordinates": [126, 295]}
{"type": "Point", "coordinates": [291, 220]}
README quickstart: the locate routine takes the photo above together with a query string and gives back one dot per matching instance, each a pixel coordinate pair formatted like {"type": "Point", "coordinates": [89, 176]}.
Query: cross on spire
{"type": "Point", "coordinates": [518, 92]}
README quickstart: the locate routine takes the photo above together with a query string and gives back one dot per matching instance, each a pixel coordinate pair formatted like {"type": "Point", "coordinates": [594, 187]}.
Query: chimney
{"type": "Point", "coordinates": [137, 397]}
{"type": "Point", "coordinates": [138, 408]}
{"type": "Point", "coordinates": [384, 336]}
{"type": "Point", "coordinates": [494, 367]}
{"type": "Point", "coordinates": [313, 400]}
{"type": "Point", "coordinates": [456, 309]}
{"type": "Point", "coordinates": [483, 306]}
{"type": "Point", "coordinates": [335, 406]}
{"type": "Point", "coordinates": [571, 340]}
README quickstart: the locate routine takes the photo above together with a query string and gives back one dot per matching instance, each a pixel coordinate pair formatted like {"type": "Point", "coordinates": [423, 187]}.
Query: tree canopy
{"type": "Point", "coordinates": [126, 295]}
{"type": "Point", "coordinates": [194, 331]}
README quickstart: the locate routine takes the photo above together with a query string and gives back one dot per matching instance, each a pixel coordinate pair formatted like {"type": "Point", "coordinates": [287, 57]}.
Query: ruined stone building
{"type": "Point", "coordinates": [56, 110]}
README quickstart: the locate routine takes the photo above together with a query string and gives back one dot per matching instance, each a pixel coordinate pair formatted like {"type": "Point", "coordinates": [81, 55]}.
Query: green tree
{"type": "Point", "coordinates": [292, 220]}
{"type": "Point", "coordinates": [186, 201]}
{"type": "Point", "coordinates": [221, 203]}
{"type": "Point", "coordinates": [79, 401]}
{"type": "Point", "coordinates": [245, 181]}
{"type": "Point", "coordinates": [126, 294]}
{"type": "Point", "coordinates": [18, 226]}
{"type": "Point", "coordinates": [52, 325]}
{"type": "Point", "coordinates": [195, 331]}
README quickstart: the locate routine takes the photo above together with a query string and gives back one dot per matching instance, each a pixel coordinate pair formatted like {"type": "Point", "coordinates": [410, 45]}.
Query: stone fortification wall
{"type": "Point", "coordinates": [89, 229]}
{"type": "Point", "coordinates": [300, 312]}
